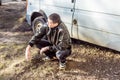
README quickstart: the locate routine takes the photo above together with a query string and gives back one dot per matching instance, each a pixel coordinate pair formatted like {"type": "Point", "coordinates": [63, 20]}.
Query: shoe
{"type": "Point", "coordinates": [47, 58]}
{"type": "Point", "coordinates": [62, 65]}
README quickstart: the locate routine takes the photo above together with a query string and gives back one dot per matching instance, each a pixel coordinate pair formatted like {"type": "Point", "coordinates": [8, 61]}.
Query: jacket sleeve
{"type": "Point", "coordinates": [37, 36]}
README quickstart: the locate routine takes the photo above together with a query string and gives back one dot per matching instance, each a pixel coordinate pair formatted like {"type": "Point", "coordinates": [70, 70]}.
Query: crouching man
{"type": "Point", "coordinates": [53, 39]}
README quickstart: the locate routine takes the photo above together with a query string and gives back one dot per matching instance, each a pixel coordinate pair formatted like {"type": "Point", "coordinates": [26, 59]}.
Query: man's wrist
{"type": "Point", "coordinates": [31, 44]}
{"type": "Point", "coordinates": [28, 47]}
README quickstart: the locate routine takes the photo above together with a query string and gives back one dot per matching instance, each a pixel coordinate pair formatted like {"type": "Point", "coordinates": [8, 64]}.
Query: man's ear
{"type": "Point", "coordinates": [56, 24]}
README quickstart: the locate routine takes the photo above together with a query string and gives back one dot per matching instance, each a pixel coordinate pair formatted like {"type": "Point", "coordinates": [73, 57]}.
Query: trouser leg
{"type": "Point", "coordinates": [62, 55]}
{"type": "Point", "coordinates": [50, 54]}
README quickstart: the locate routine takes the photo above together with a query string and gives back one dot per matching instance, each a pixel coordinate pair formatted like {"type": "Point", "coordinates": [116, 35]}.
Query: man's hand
{"type": "Point", "coordinates": [44, 49]}
{"type": "Point", "coordinates": [27, 53]}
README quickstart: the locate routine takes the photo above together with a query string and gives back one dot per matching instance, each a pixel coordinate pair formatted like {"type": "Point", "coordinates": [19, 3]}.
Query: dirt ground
{"type": "Point", "coordinates": [87, 62]}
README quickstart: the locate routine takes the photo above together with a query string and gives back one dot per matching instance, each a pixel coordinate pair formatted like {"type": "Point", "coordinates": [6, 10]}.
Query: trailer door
{"type": "Point", "coordinates": [63, 7]}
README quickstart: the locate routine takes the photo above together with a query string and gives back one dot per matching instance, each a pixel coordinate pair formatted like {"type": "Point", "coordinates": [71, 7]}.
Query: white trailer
{"type": "Point", "coordinates": [94, 21]}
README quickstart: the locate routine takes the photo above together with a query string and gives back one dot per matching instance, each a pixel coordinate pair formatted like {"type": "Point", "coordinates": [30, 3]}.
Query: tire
{"type": "Point", "coordinates": [0, 2]}
{"type": "Point", "coordinates": [37, 24]}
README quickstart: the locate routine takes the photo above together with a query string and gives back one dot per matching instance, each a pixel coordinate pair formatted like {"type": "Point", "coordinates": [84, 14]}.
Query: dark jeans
{"type": "Point", "coordinates": [60, 54]}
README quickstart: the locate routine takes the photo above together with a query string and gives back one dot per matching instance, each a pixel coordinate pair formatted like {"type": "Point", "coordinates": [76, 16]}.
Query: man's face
{"type": "Point", "coordinates": [51, 24]}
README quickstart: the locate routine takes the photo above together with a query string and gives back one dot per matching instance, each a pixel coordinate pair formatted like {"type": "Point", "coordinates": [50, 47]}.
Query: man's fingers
{"type": "Point", "coordinates": [44, 49]}
{"type": "Point", "coordinates": [41, 51]}
{"type": "Point", "coordinates": [27, 55]}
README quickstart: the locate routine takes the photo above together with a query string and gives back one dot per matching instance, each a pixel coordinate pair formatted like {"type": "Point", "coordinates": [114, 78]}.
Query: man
{"type": "Point", "coordinates": [53, 39]}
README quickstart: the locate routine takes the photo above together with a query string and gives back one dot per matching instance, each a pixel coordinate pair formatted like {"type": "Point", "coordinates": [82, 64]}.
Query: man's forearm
{"type": "Point", "coordinates": [27, 52]}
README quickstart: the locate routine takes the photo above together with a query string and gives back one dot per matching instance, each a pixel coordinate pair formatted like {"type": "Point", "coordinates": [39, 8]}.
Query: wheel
{"type": "Point", "coordinates": [37, 24]}
{"type": "Point", "coordinates": [0, 2]}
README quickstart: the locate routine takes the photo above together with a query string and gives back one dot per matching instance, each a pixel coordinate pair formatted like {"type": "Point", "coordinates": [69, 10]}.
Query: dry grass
{"type": "Point", "coordinates": [87, 62]}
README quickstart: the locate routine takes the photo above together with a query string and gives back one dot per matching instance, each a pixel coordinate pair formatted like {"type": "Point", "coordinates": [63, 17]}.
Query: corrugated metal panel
{"type": "Point", "coordinates": [104, 6]}
{"type": "Point", "coordinates": [98, 22]}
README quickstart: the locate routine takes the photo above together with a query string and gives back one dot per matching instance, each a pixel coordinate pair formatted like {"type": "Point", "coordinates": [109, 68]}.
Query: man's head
{"type": "Point", "coordinates": [53, 20]}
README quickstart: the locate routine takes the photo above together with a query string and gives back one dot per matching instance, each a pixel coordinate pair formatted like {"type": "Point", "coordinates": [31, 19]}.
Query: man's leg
{"type": "Point", "coordinates": [62, 55]}
{"type": "Point", "coordinates": [43, 43]}
{"type": "Point", "coordinates": [50, 54]}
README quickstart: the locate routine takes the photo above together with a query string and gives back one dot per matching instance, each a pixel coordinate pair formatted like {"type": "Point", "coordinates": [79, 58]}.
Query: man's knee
{"type": "Point", "coordinates": [63, 54]}
{"type": "Point", "coordinates": [58, 54]}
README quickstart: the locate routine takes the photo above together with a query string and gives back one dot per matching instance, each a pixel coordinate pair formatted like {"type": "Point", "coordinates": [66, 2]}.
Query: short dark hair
{"type": "Point", "coordinates": [55, 18]}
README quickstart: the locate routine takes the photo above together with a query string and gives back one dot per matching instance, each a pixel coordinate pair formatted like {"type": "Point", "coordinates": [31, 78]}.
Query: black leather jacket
{"type": "Point", "coordinates": [59, 37]}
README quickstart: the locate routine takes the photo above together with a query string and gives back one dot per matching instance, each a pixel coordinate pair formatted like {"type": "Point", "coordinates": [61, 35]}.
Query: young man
{"type": "Point", "coordinates": [57, 42]}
